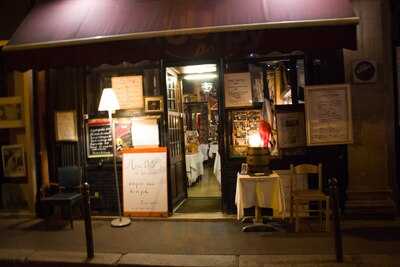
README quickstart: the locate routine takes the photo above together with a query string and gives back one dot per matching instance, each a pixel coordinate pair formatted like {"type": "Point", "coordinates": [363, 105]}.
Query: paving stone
{"type": "Point", "coordinates": [179, 260]}
{"type": "Point", "coordinates": [74, 257]}
{"type": "Point", "coordinates": [291, 260]}
{"type": "Point", "coordinates": [15, 254]}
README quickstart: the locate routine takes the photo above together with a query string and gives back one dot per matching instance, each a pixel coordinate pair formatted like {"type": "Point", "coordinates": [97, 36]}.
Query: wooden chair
{"type": "Point", "coordinates": [300, 198]}
{"type": "Point", "coordinates": [69, 190]}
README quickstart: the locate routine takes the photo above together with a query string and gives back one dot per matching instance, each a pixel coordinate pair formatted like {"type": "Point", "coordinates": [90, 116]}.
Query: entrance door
{"type": "Point", "coordinates": [192, 95]}
{"type": "Point", "coordinates": [176, 139]}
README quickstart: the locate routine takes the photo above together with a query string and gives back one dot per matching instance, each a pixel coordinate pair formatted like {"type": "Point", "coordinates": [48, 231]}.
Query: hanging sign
{"type": "Point", "coordinates": [99, 138]}
{"type": "Point", "coordinates": [129, 91]}
{"type": "Point", "coordinates": [144, 177]}
{"type": "Point", "coordinates": [328, 114]}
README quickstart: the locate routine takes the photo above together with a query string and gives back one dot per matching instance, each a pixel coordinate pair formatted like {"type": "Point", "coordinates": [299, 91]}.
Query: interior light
{"type": "Point", "coordinates": [255, 140]}
{"type": "Point", "coordinates": [203, 76]}
{"type": "Point", "coordinates": [204, 68]}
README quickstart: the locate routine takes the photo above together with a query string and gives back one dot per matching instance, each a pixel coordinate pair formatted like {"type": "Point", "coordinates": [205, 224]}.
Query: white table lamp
{"type": "Point", "coordinates": [109, 102]}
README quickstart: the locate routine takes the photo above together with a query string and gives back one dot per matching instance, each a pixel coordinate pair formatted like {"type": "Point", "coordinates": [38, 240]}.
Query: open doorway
{"type": "Point", "coordinates": [192, 92]}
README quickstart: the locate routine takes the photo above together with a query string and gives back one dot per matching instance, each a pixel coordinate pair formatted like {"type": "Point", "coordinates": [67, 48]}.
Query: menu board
{"type": "Point", "coordinates": [99, 138]}
{"type": "Point", "coordinates": [328, 114]}
{"type": "Point", "coordinates": [129, 91]}
{"type": "Point", "coordinates": [238, 89]}
{"type": "Point", "coordinates": [145, 182]}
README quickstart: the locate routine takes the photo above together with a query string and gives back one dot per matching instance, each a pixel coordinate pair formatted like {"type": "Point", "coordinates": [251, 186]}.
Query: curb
{"type": "Point", "coordinates": [16, 258]}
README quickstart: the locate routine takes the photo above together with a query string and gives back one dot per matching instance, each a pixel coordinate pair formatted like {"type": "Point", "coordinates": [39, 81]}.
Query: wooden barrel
{"type": "Point", "coordinates": [258, 160]}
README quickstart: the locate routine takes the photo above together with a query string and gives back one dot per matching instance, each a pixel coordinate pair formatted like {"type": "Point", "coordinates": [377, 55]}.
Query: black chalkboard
{"type": "Point", "coordinates": [99, 138]}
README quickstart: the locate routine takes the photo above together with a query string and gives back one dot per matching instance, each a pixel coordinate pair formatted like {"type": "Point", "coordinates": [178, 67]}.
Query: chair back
{"type": "Point", "coordinates": [305, 169]}
{"type": "Point", "coordinates": [69, 177]}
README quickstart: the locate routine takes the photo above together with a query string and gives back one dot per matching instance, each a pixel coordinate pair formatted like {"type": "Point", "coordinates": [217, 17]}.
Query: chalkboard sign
{"type": "Point", "coordinates": [99, 138]}
{"type": "Point", "coordinates": [145, 182]}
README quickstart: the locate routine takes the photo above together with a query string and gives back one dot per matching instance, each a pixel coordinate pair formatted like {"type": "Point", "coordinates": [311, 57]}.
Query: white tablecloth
{"type": "Point", "coordinates": [204, 151]}
{"type": "Point", "coordinates": [259, 191]}
{"type": "Point", "coordinates": [213, 150]}
{"type": "Point", "coordinates": [217, 167]}
{"type": "Point", "coordinates": [194, 166]}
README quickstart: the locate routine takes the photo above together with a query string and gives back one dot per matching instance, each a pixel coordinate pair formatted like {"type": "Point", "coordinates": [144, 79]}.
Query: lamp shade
{"type": "Point", "coordinates": [108, 100]}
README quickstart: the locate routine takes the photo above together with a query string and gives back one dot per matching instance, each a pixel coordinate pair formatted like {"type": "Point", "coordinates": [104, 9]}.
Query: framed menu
{"type": "Point", "coordinates": [328, 114]}
{"type": "Point", "coordinates": [129, 91]}
{"type": "Point", "coordinates": [238, 90]}
{"type": "Point", "coordinates": [66, 129]}
{"type": "Point", "coordinates": [99, 138]}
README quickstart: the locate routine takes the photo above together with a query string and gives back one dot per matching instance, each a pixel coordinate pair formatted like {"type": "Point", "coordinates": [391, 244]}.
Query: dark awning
{"type": "Point", "coordinates": [77, 32]}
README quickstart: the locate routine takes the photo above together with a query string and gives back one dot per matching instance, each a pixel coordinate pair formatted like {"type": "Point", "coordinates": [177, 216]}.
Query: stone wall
{"type": "Point", "coordinates": [372, 188]}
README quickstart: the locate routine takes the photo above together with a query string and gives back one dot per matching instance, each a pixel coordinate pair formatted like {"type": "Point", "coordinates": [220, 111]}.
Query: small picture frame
{"type": "Point", "coordinates": [153, 104]}
{"type": "Point", "coordinates": [11, 112]}
{"type": "Point", "coordinates": [13, 157]}
{"type": "Point", "coordinates": [66, 126]}
{"type": "Point", "coordinates": [244, 169]}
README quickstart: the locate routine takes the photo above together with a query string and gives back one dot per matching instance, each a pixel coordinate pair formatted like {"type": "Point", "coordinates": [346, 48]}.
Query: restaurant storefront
{"type": "Point", "coordinates": [76, 49]}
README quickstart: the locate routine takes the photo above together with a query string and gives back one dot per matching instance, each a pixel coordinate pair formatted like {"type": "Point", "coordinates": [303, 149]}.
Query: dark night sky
{"type": "Point", "coordinates": [12, 13]}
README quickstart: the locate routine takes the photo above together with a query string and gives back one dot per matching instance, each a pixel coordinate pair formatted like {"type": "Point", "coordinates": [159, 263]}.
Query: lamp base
{"type": "Point", "coordinates": [121, 222]}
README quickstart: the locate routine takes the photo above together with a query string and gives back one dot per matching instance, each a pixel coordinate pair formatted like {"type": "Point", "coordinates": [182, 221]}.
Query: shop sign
{"type": "Point", "coordinates": [364, 71]}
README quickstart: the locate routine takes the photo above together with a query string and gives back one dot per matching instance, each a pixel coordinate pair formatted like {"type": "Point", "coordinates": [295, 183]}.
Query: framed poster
{"type": "Point", "coordinates": [144, 182]}
{"type": "Point", "coordinates": [66, 129]}
{"type": "Point", "coordinates": [291, 127]}
{"type": "Point", "coordinates": [129, 91]}
{"type": "Point", "coordinates": [237, 90]}
{"type": "Point", "coordinates": [99, 138]}
{"type": "Point", "coordinates": [13, 157]}
{"type": "Point", "coordinates": [243, 124]}
{"type": "Point", "coordinates": [328, 114]}
{"type": "Point", "coordinates": [11, 112]}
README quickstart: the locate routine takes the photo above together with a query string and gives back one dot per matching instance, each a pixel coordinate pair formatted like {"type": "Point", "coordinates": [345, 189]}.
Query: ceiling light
{"type": "Point", "coordinates": [204, 76]}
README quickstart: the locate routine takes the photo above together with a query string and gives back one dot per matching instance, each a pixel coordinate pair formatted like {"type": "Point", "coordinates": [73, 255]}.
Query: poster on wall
{"type": "Point", "coordinates": [291, 129]}
{"type": "Point", "coordinates": [129, 91]}
{"type": "Point", "coordinates": [238, 90]}
{"type": "Point", "coordinates": [123, 133]}
{"type": "Point", "coordinates": [328, 114]}
{"type": "Point", "coordinates": [99, 138]}
{"type": "Point", "coordinates": [144, 178]}
{"type": "Point", "coordinates": [145, 131]}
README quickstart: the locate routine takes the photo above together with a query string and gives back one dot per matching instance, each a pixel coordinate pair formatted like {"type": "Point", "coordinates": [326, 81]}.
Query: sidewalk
{"type": "Point", "coordinates": [186, 243]}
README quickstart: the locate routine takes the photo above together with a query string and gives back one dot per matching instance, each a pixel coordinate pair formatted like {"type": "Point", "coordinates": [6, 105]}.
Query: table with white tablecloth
{"type": "Point", "coordinates": [194, 167]}
{"type": "Point", "coordinates": [217, 167]}
{"type": "Point", "coordinates": [260, 192]}
{"type": "Point", "coordinates": [203, 148]}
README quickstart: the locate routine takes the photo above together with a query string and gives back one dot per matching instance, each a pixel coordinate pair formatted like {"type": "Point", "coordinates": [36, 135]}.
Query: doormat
{"type": "Point", "coordinates": [200, 204]}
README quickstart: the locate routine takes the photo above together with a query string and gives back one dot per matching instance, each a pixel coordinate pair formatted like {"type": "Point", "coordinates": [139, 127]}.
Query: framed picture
{"type": "Point", "coordinates": [11, 112]}
{"type": "Point", "coordinates": [328, 114]}
{"type": "Point", "coordinates": [66, 126]}
{"type": "Point", "coordinates": [13, 161]}
{"type": "Point", "coordinates": [153, 104]}
{"type": "Point", "coordinates": [242, 124]}
{"type": "Point", "coordinates": [291, 126]}
{"type": "Point", "coordinates": [238, 90]}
